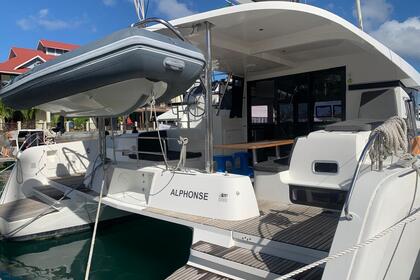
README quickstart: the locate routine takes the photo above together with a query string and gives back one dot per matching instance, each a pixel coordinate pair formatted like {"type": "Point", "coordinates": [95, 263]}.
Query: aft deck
{"type": "Point", "coordinates": [258, 243]}
{"type": "Point", "coordinates": [255, 248]}
{"type": "Point", "coordinates": [304, 226]}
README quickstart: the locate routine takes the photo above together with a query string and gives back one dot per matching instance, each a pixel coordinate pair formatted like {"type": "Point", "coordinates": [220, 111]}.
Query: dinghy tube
{"type": "Point", "coordinates": [109, 77]}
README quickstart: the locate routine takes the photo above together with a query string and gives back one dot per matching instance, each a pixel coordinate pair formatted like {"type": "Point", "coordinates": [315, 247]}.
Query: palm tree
{"type": "Point", "coordinates": [28, 114]}
{"type": "Point", "coordinates": [5, 112]}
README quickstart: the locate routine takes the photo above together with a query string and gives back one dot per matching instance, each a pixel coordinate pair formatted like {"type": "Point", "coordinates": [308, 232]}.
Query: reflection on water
{"type": "Point", "coordinates": [134, 248]}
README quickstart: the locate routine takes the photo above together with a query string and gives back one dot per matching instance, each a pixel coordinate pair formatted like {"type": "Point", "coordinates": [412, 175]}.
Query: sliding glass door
{"type": "Point", "coordinates": [290, 106]}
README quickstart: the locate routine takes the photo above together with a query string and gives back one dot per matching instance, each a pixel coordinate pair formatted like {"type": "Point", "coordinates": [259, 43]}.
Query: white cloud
{"type": "Point", "coordinates": [25, 24]}
{"type": "Point", "coordinates": [44, 21]}
{"type": "Point", "coordinates": [109, 2]}
{"type": "Point", "coordinates": [43, 13]}
{"type": "Point", "coordinates": [54, 24]}
{"type": "Point", "coordinates": [174, 9]}
{"type": "Point", "coordinates": [375, 12]}
{"type": "Point", "coordinates": [401, 37]}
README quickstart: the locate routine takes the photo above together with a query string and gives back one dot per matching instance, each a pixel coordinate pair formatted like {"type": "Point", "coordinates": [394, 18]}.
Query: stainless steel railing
{"type": "Point", "coordinates": [363, 156]}
{"type": "Point", "coordinates": [144, 22]}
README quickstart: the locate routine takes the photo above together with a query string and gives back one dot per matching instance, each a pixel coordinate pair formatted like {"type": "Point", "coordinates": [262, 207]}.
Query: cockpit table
{"type": "Point", "coordinates": [254, 146]}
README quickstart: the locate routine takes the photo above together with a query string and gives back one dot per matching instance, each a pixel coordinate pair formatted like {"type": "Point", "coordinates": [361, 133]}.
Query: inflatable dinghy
{"type": "Point", "coordinates": [109, 77]}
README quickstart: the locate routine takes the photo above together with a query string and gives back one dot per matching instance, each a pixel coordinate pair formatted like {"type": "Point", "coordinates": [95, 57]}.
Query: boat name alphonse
{"type": "Point", "coordinates": [190, 194]}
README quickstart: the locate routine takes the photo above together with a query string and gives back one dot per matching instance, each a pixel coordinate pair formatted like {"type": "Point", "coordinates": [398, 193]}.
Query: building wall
{"type": "Point", "coordinates": [6, 77]}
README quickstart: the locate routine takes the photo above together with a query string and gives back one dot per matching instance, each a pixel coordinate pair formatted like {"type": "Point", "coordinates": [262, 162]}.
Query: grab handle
{"type": "Point", "coordinates": [173, 64]}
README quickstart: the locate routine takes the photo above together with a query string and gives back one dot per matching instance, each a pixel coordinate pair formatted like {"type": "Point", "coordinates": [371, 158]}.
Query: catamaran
{"type": "Point", "coordinates": [339, 200]}
{"type": "Point", "coordinates": [51, 190]}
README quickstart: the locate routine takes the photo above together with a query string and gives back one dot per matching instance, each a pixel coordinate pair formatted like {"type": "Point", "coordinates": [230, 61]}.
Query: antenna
{"type": "Point", "coordinates": [359, 14]}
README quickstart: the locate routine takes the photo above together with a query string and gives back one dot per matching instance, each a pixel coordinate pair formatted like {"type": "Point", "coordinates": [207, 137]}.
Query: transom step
{"type": "Point", "coordinates": [193, 273]}
{"type": "Point", "coordinates": [250, 261]}
{"type": "Point", "coordinates": [298, 225]}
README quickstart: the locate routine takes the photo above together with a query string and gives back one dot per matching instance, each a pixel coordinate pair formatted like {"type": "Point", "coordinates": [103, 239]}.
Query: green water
{"type": "Point", "coordinates": [138, 248]}
{"type": "Point", "coordinates": [131, 248]}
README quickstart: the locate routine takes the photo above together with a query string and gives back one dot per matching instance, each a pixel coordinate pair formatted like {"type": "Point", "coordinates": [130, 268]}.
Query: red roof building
{"type": "Point", "coordinates": [21, 59]}
{"type": "Point", "coordinates": [55, 48]}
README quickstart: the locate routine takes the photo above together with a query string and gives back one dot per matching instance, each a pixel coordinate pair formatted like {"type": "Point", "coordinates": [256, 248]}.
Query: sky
{"type": "Point", "coordinates": [396, 23]}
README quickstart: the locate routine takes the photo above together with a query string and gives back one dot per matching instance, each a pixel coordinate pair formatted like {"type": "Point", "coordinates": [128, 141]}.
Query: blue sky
{"type": "Point", "coordinates": [394, 22]}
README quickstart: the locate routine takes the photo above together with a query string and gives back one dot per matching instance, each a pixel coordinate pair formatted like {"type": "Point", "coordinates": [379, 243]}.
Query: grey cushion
{"type": "Point", "coordinates": [354, 125]}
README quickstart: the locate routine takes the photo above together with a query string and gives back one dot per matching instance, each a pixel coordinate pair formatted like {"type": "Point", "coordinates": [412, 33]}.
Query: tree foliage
{"type": "Point", "coordinates": [6, 112]}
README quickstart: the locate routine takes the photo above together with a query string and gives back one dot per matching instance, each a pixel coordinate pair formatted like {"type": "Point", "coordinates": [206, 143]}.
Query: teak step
{"type": "Point", "coordinates": [261, 264]}
{"type": "Point", "coordinates": [71, 181]}
{"type": "Point", "coordinates": [74, 182]}
{"type": "Point", "coordinates": [298, 225]}
{"type": "Point", "coordinates": [23, 209]}
{"type": "Point", "coordinates": [193, 273]}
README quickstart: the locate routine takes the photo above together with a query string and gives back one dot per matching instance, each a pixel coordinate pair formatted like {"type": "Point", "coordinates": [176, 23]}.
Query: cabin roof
{"type": "Point", "coordinates": [285, 37]}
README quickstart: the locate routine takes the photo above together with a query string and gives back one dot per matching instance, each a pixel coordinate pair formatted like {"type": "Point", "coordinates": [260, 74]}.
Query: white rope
{"type": "Point", "coordinates": [183, 141]}
{"type": "Point", "coordinates": [409, 219]}
{"type": "Point", "coordinates": [140, 11]}
{"type": "Point", "coordinates": [153, 107]}
{"type": "Point", "coordinates": [92, 244]}
{"type": "Point", "coordinates": [394, 139]}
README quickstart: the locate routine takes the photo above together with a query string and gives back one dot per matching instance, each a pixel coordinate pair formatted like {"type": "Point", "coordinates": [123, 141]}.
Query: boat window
{"type": "Point", "coordinates": [291, 106]}
{"type": "Point", "coordinates": [296, 104]}
{"type": "Point", "coordinates": [262, 110]}
{"type": "Point", "coordinates": [325, 167]}
{"type": "Point", "coordinates": [329, 89]}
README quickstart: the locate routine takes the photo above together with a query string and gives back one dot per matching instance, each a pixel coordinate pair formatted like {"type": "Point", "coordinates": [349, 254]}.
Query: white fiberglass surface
{"type": "Point", "coordinates": [130, 197]}
{"type": "Point", "coordinates": [289, 36]}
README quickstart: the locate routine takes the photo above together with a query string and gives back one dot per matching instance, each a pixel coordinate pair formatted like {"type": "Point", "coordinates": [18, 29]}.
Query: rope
{"type": "Point", "coordinates": [394, 139]}
{"type": "Point", "coordinates": [95, 227]}
{"type": "Point", "coordinates": [409, 219]}
{"type": "Point", "coordinates": [140, 9]}
{"type": "Point", "coordinates": [182, 141]}
{"type": "Point", "coordinates": [153, 107]}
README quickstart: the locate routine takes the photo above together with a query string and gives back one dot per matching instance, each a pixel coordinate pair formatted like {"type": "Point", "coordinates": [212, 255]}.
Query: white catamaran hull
{"type": "Point", "coordinates": [45, 195]}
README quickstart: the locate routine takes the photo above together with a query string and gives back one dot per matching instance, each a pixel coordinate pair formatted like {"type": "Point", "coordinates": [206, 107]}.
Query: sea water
{"type": "Point", "coordinates": [131, 248]}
